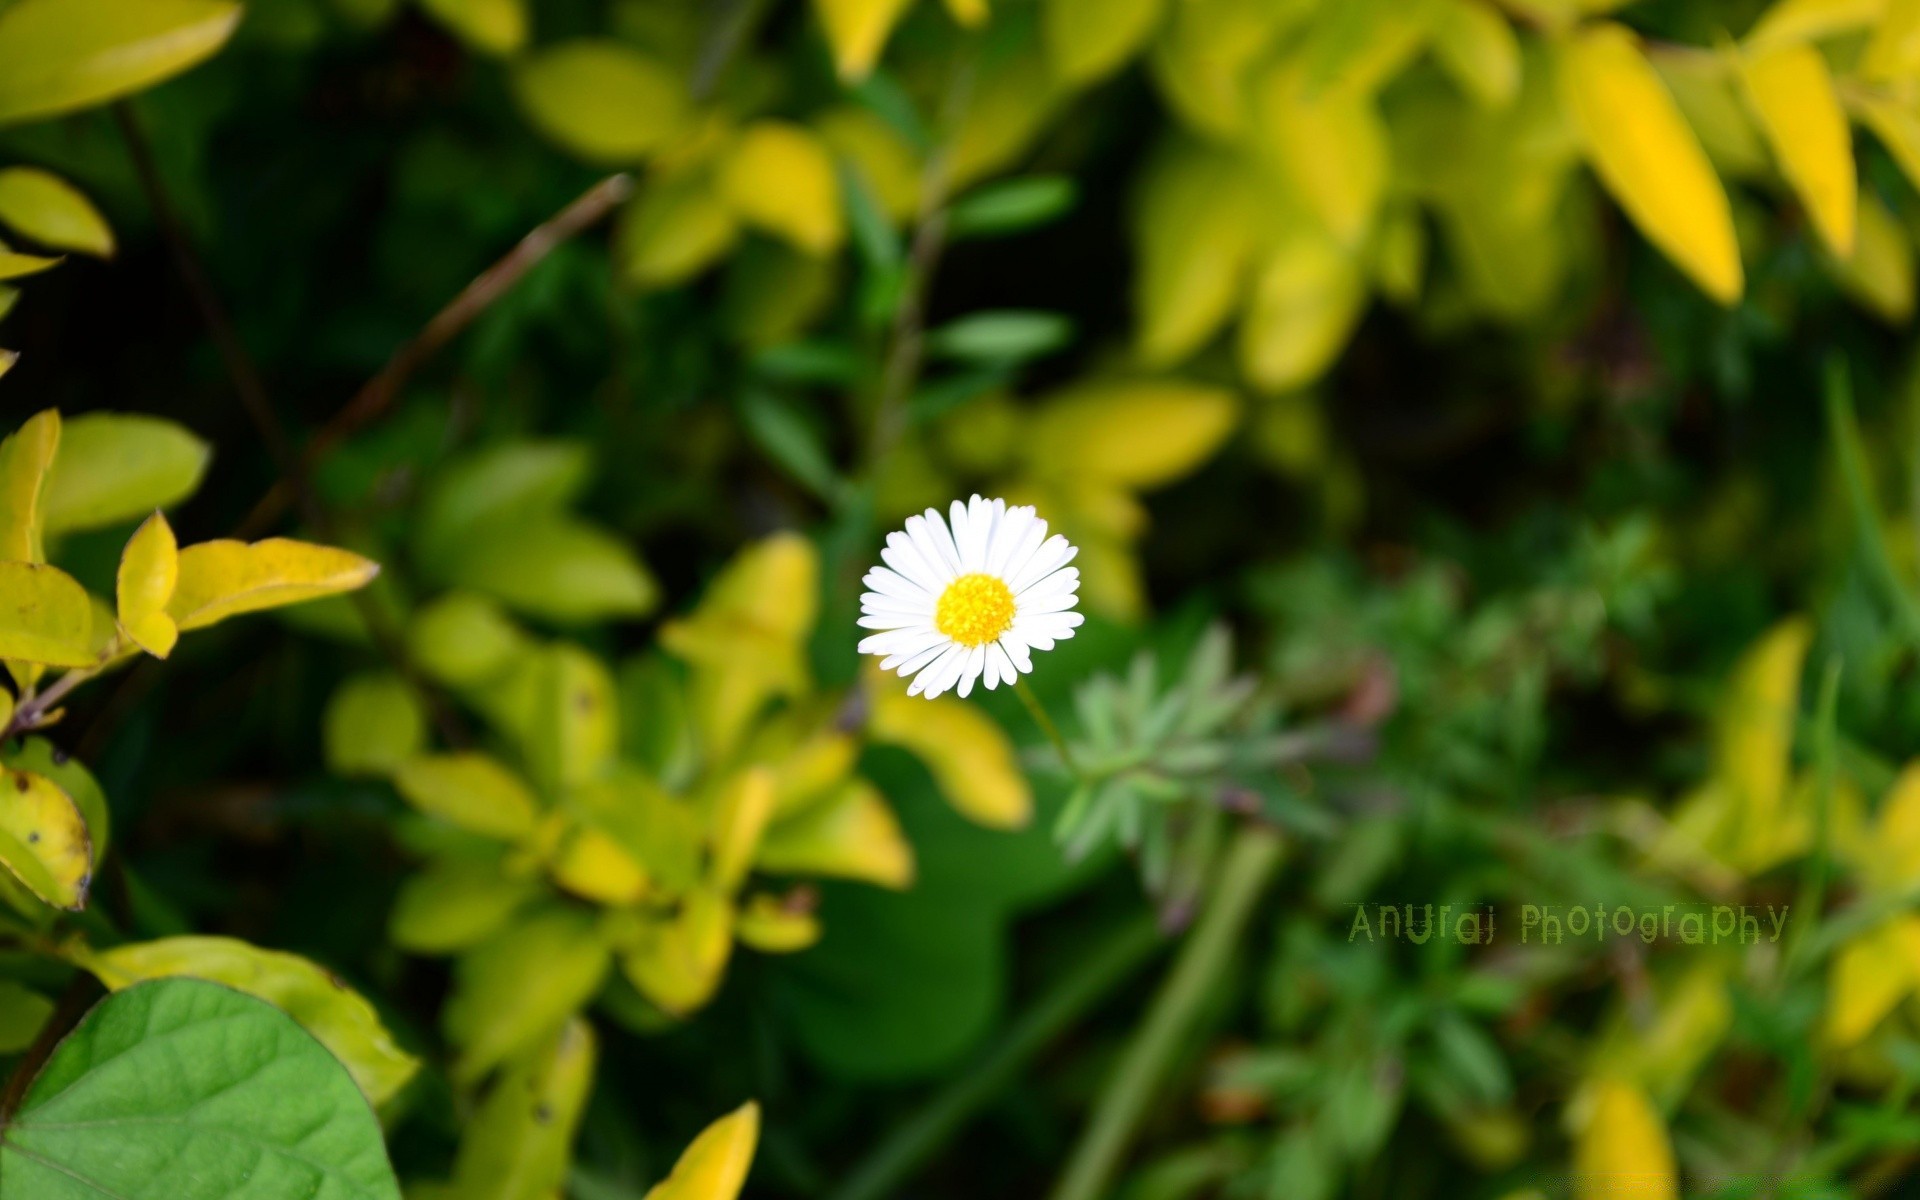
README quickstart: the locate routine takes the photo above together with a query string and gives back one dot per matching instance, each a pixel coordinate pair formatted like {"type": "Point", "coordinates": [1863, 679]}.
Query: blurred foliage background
{"type": "Point", "coordinates": [1490, 434]}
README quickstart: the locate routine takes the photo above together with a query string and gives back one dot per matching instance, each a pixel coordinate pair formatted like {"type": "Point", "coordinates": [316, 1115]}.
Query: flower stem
{"type": "Point", "coordinates": [1047, 726]}
{"type": "Point", "coordinates": [1208, 951]}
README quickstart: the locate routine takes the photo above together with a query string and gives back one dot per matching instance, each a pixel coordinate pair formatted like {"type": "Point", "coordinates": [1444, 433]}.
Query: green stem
{"type": "Point", "coordinates": [1250, 866]}
{"type": "Point", "coordinates": [1047, 726]}
{"type": "Point", "coordinates": [1084, 984]}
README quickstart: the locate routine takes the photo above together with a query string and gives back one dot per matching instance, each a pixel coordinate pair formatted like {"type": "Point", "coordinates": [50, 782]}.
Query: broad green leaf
{"type": "Point", "coordinates": [1307, 297]}
{"type": "Point", "coordinates": [185, 1090]}
{"type": "Point", "coordinates": [470, 791]}
{"type": "Point", "coordinates": [38, 755]}
{"type": "Point", "coordinates": [454, 903]}
{"type": "Point", "coordinates": [1648, 157]}
{"type": "Point", "coordinates": [714, 1166]}
{"type": "Point", "coordinates": [1793, 94]}
{"type": "Point", "coordinates": [1087, 39]}
{"type": "Point", "coordinates": [499, 484]}
{"type": "Point", "coordinates": [496, 27]}
{"type": "Point", "coordinates": [26, 457]}
{"type": "Point", "coordinates": [678, 961]}
{"type": "Point", "coordinates": [779, 177]}
{"type": "Point", "coordinates": [60, 55]}
{"type": "Point", "coordinates": [1137, 433]}
{"type": "Point", "coordinates": [857, 31]}
{"type": "Point", "coordinates": [970, 756]}
{"type": "Point", "coordinates": [43, 839]}
{"type": "Point", "coordinates": [45, 616]}
{"type": "Point", "coordinates": [47, 209]}
{"type": "Point", "coordinates": [556, 567]}
{"type": "Point", "coordinates": [673, 229]}
{"type": "Point", "coordinates": [464, 640]}
{"type": "Point", "coordinates": [519, 1145]}
{"type": "Point", "coordinates": [342, 1019]}
{"type": "Point", "coordinates": [522, 984]}
{"type": "Point", "coordinates": [221, 579]}
{"type": "Point", "coordinates": [374, 724]}
{"type": "Point", "coordinates": [1478, 48]}
{"type": "Point", "coordinates": [1621, 1144]}
{"type": "Point", "coordinates": [1195, 237]}
{"type": "Point", "coordinates": [115, 467]}
{"type": "Point", "coordinates": [850, 835]}
{"type": "Point", "coordinates": [604, 101]}
{"type": "Point", "coordinates": [149, 569]}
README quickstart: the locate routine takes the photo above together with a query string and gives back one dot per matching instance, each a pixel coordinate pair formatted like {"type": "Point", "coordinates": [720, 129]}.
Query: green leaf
{"type": "Point", "coordinates": [1000, 337]}
{"type": "Point", "coordinates": [454, 903]}
{"type": "Point", "coordinates": [60, 55]}
{"type": "Point", "coordinates": [45, 616]}
{"type": "Point", "coordinates": [519, 1145]}
{"type": "Point", "coordinates": [791, 441]}
{"type": "Point", "coordinates": [469, 791]}
{"type": "Point", "coordinates": [1014, 206]}
{"type": "Point", "coordinates": [186, 1090]}
{"type": "Point", "coordinates": [22, 1013]}
{"type": "Point", "coordinates": [553, 566]}
{"type": "Point", "coordinates": [330, 1010]}
{"type": "Point", "coordinates": [603, 101]}
{"type": "Point", "coordinates": [502, 483]}
{"type": "Point", "coordinates": [520, 985]}
{"type": "Point", "coordinates": [46, 208]}
{"type": "Point", "coordinates": [115, 467]}
{"type": "Point", "coordinates": [497, 27]}
{"type": "Point", "coordinates": [373, 723]}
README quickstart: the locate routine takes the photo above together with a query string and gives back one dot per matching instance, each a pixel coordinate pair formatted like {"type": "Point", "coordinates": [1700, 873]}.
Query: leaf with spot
{"type": "Point", "coordinates": [518, 1146]}
{"type": "Point", "coordinates": [43, 839]}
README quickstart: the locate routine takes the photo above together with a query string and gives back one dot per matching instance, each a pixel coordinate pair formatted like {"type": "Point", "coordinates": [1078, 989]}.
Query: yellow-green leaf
{"type": "Point", "coordinates": [969, 755]}
{"type": "Point", "coordinates": [1893, 53]}
{"type": "Point", "coordinates": [1328, 144]}
{"type": "Point", "coordinates": [1306, 299]}
{"type": "Point", "coordinates": [1194, 235]}
{"type": "Point", "coordinates": [1137, 433]}
{"type": "Point", "coordinates": [1898, 128]}
{"type": "Point", "coordinates": [519, 1145]}
{"type": "Point", "coordinates": [221, 579]}
{"type": "Point", "coordinates": [1792, 21]}
{"type": "Point", "coordinates": [1621, 1146]}
{"type": "Point", "coordinates": [454, 903]}
{"type": "Point", "coordinates": [857, 31]}
{"type": "Point", "coordinates": [149, 568]}
{"type": "Point", "coordinates": [1478, 48]}
{"type": "Point", "coordinates": [850, 835]}
{"type": "Point", "coordinates": [114, 467]}
{"type": "Point", "coordinates": [46, 208]}
{"type": "Point", "coordinates": [1090, 38]}
{"type": "Point", "coordinates": [25, 459]}
{"type": "Point", "coordinates": [715, 1166]}
{"type": "Point", "coordinates": [1879, 272]}
{"type": "Point", "coordinates": [45, 616]}
{"type": "Point", "coordinates": [602, 100]}
{"type": "Point", "coordinates": [1755, 735]}
{"type": "Point", "coordinates": [23, 1012]}
{"type": "Point", "coordinates": [1648, 157]}
{"type": "Point", "coordinates": [740, 818]}
{"type": "Point", "coordinates": [779, 177]}
{"type": "Point", "coordinates": [43, 839]}
{"type": "Point", "coordinates": [463, 640]}
{"type": "Point", "coordinates": [14, 265]}
{"type": "Point", "coordinates": [673, 229]}
{"type": "Point", "coordinates": [522, 984]}
{"type": "Point", "coordinates": [677, 962]}
{"type": "Point", "coordinates": [61, 55]}
{"type": "Point", "coordinates": [496, 27]}
{"type": "Point", "coordinates": [777, 924]}
{"type": "Point", "coordinates": [886, 162]}
{"type": "Point", "coordinates": [341, 1018]}
{"type": "Point", "coordinates": [1793, 94]}
{"type": "Point", "coordinates": [7, 357]}
{"type": "Point", "coordinates": [554, 566]}
{"type": "Point", "coordinates": [1868, 976]}
{"type": "Point", "coordinates": [470, 791]}
{"type": "Point", "coordinates": [574, 720]}
{"type": "Point", "coordinates": [38, 755]}
{"type": "Point", "coordinates": [591, 864]}
{"type": "Point", "coordinates": [374, 724]}
{"type": "Point", "coordinates": [1709, 91]}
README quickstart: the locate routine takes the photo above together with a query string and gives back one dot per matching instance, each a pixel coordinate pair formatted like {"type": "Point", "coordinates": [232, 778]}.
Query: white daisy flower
{"type": "Point", "coordinates": [971, 602]}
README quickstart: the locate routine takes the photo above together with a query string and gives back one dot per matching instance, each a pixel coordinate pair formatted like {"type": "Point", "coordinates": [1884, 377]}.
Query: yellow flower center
{"type": "Point", "coordinates": [974, 610]}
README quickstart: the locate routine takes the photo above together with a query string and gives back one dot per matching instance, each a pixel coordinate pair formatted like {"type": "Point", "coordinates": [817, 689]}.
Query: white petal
{"type": "Point", "coordinates": [893, 641]}
{"type": "Point", "coordinates": [961, 522]}
{"type": "Point", "coordinates": [935, 548]}
{"type": "Point", "coordinates": [888, 621]}
{"type": "Point", "coordinates": [1057, 552]}
{"type": "Point", "coordinates": [1048, 604]}
{"type": "Point", "coordinates": [1066, 579]}
{"type": "Point", "coordinates": [932, 671]}
{"type": "Point", "coordinates": [1022, 554]}
{"type": "Point", "coordinates": [907, 665]}
{"type": "Point", "coordinates": [976, 662]}
{"type": "Point", "coordinates": [999, 667]}
{"type": "Point", "coordinates": [904, 557]}
{"type": "Point", "coordinates": [891, 583]}
{"type": "Point", "coordinates": [1016, 649]}
{"type": "Point", "coordinates": [943, 537]}
{"type": "Point", "coordinates": [1007, 536]}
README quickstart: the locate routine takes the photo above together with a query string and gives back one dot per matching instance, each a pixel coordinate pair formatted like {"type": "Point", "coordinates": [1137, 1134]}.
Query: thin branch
{"type": "Point", "coordinates": [373, 400]}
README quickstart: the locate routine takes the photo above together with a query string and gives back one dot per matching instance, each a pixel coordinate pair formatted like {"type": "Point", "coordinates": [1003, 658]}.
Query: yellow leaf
{"type": "Point", "coordinates": [1648, 157]}
{"type": "Point", "coordinates": [852, 835]}
{"type": "Point", "coordinates": [519, 1143]}
{"type": "Point", "coordinates": [224, 578]}
{"type": "Point", "coordinates": [1792, 92]}
{"type": "Point", "coordinates": [18, 266]}
{"type": "Point", "coordinates": [740, 818]}
{"type": "Point", "coordinates": [1792, 21]}
{"type": "Point", "coordinates": [496, 27]}
{"type": "Point", "coordinates": [779, 177]}
{"type": "Point", "coordinates": [857, 30]}
{"type": "Point", "coordinates": [886, 161]}
{"type": "Point", "coordinates": [43, 839]}
{"type": "Point", "coordinates": [1329, 146]}
{"type": "Point", "coordinates": [7, 357]}
{"type": "Point", "coordinates": [1090, 38]}
{"type": "Point", "coordinates": [1755, 734]}
{"type": "Point", "coordinates": [1478, 48]}
{"type": "Point", "coordinates": [970, 757]}
{"type": "Point", "coordinates": [1898, 128]}
{"type": "Point", "coordinates": [970, 13]}
{"type": "Point", "coordinates": [26, 457]}
{"type": "Point", "coordinates": [374, 724]}
{"type": "Point", "coordinates": [60, 55]}
{"type": "Point", "coordinates": [1202, 57]}
{"type": "Point", "coordinates": [470, 791]}
{"type": "Point", "coordinates": [1879, 273]}
{"type": "Point", "coordinates": [592, 865]}
{"type": "Point", "coordinates": [45, 616]}
{"type": "Point", "coordinates": [715, 1166]}
{"type": "Point", "coordinates": [454, 903]}
{"type": "Point", "coordinates": [1306, 299]}
{"type": "Point", "coordinates": [1894, 850]}
{"type": "Point", "coordinates": [776, 925]}
{"type": "Point", "coordinates": [1138, 434]}
{"type": "Point", "coordinates": [46, 208]}
{"type": "Point", "coordinates": [673, 229]}
{"type": "Point", "coordinates": [519, 985]}
{"type": "Point", "coordinates": [811, 768]}
{"type": "Point", "coordinates": [149, 566]}
{"type": "Point", "coordinates": [1194, 237]}
{"type": "Point", "coordinates": [1621, 1148]}
{"type": "Point", "coordinates": [341, 1018]}
{"type": "Point", "coordinates": [678, 962]}
{"type": "Point", "coordinates": [1893, 53]}
{"type": "Point", "coordinates": [600, 99]}
{"type": "Point", "coordinates": [1868, 977]}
